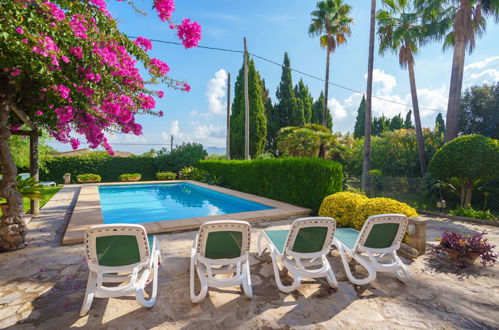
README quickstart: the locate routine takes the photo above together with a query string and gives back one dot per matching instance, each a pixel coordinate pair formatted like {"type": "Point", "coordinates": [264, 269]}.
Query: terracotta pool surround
{"type": "Point", "coordinates": [87, 211]}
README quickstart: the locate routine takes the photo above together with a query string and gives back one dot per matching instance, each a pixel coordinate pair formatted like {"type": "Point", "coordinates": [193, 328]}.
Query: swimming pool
{"type": "Point", "coordinates": [143, 203]}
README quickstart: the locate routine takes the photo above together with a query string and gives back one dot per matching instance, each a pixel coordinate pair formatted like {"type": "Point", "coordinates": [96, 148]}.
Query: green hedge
{"type": "Point", "coordinates": [299, 181]}
{"type": "Point", "coordinates": [109, 168]}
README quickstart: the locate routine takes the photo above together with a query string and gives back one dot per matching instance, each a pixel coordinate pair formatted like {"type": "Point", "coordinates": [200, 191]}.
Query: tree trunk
{"type": "Point", "coordinates": [326, 87]}
{"type": "Point", "coordinates": [417, 120]}
{"type": "Point", "coordinates": [366, 164]}
{"type": "Point", "coordinates": [468, 188]}
{"type": "Point", "coordinates": [12, 225]}
{"type": "Point", "coordinates": [456, 83]}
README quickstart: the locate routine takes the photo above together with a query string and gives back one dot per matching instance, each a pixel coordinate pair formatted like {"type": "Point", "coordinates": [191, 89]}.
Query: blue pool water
{"type": "Point", "coordinates": [140, 203]}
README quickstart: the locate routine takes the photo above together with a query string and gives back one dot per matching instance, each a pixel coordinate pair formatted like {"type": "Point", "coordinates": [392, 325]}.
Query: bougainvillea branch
{"type": "Point", "coordinates": [82, 71]}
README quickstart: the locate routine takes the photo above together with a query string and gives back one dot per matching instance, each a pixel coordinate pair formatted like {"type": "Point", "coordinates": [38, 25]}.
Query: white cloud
{"type": "Point", "coordinates": [386, 80]}
{"type": "Point", "coordinates": [217, 89]}
{"type": "Point", "coordinates": [492, 73]}
{"type": "Point", "coordinates": [336, 108]}
{"type": "Point", "coordinates": [208, 135]}
{"type": "Point", "coordinates": [436, 99]}
{"type": "Point", "coordinates": [481, 64]}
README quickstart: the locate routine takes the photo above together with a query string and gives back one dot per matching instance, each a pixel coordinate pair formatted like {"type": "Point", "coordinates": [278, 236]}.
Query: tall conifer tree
{"type": "Point", "coordinates": [408, 120]}
{"type": "Point", "coordinates": [318, 110]}
{"type": "Point", "coordinates": [360, 120]}
{"type": "Point", "coordinates": [289, 112]}
{"type": "Point", "coordinates": [258, 121]}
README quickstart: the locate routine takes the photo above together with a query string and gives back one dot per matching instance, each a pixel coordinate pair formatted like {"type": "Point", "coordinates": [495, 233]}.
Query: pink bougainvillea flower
{"type": "Point", "coordinates": [160, 94]}
{"type": "Point", "coordinates": [24, 41]}
{"type": "Point", "coordinates": [159, 67]}
{"type": "Point", "coordinates": [55, 11]}
{"type": "Point", "coordinates": [143, 43]}
{"type": "Point", "coordinates": [65, 59]}
{"type": "Point", "coordinates": [15, 128]}
{"type": "Point", "coordinates": [164, 8]}
{"type": "Point", "coordinates": [20, 30]}
{"type": "Point", "coordinates": [160, 113]}
{"type": "Point", "coordinates": [78, 25]}
{"type": "Point", "coordinates": [74, 143]}
{"type": "Point", "coordinates": [15, 72]}
{"type": "Point", "coordinates": [189, 33]}
{"type": "Point", "coordinates": [39, 112]}
{"type": "Point", "coordinates": [186, 87]}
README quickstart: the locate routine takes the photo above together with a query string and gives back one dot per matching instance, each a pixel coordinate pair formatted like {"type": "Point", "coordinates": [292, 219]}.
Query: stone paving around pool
{"type": "Point", "coordinates": [42, 286]}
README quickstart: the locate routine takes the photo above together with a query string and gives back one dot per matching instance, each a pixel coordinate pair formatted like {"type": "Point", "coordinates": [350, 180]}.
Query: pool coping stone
{"type": "Point", "coordinates": [87, 211]}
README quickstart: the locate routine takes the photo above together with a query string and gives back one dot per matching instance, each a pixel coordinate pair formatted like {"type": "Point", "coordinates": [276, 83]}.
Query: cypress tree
{"type": "Point", "coordinates": [304, 100]}
{"type": "Point", "coordinates": [380, 125]}
{"type": "Point", "coordinates": [408, 121]}
{"type": "Point", "coordinates": [440, 124]}
{"type": "Point", "coordinates": [289, 112]}
{"type": "Point", "coordinates": [272, 119]}
{"type": "Point", "coordinates": [396, 123]}
{"type": "Point", "coordinates": [318, 110]}
{"type": "Point", "coordinates": [360, 120]}
{"type": "Point", "coordinates": [258, 121]}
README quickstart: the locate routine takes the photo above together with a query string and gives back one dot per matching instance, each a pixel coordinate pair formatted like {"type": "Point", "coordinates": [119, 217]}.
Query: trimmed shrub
{"type": "Point", "coordinates": [130, 177]}
{"type": "Point", "coordinates": [380, 205]}
{"type": "Point", "coordinates": [468, 158]}
{"type": "Point", "coordinates": [88, 178]}
{"type": "Point", "coordinates": [342, 207]}
{"type": "Point", "coordinates": [166, 176]}
{"type": "Point", "coordinates": [109, 168]}
{"type": "Point", "coordinates": [186, 154]}
{"type": "Point", "coordinates": [299, 181]}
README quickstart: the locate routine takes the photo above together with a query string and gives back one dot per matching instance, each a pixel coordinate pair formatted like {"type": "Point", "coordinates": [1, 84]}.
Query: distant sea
{"type": "Point", "coordinates": [215, 151]}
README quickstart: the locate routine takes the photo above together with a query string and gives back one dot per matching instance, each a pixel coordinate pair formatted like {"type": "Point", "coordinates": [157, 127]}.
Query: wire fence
{"type": "Point", "coordinates": [423, 195]}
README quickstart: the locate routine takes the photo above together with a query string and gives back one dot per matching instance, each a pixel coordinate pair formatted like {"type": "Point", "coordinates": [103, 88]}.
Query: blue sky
{"type": "Point", "coordinates": [271, 28]}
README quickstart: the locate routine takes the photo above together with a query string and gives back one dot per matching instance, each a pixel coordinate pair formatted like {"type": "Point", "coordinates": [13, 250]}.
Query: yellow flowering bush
{"type": "Point", "coordinates": [341, 206]}
{"type": "Point", "coordinates": [380, 205]}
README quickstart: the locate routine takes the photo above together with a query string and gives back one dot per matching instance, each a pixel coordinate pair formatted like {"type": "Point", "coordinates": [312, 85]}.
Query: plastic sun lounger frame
{"type": "Point", "coordinates": [306, 245]}
{"type": "Point", "coordinates": [375, 246]}
{"type": "Point", "coordinates": [120, 253]}
{"type": "Point", "coordinates": [221, 247]}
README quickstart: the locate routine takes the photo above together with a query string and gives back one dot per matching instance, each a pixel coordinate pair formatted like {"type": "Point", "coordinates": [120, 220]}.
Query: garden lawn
{"type": "Point", "coordinates": [48, 193]}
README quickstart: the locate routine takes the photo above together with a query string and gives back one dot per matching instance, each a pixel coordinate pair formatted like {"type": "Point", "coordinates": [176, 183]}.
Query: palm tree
{"type": "Point", "coordinates": [366, 164]}
{"type": "Point", "coordinates": [331, 22]}
{"type": "Point", "coordinates": [464, 20]}
{"type": "Point", "coordinates": [400, 31]}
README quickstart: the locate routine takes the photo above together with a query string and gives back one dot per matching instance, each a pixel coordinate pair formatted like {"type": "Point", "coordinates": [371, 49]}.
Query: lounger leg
{"type": "Point", "coordinates": [331, 279]}
{"type": "Point", "coordinates": [139, 293]}
{"type": "Point", "coordinates": [204, 285]}
{"type": "Point", "coordinates": [296, 278]}
{"type": "Point", "coordinates": [371, 272]}
{"type": "Point", "coordinates": [402, 273]}
{"type": "Point", "coordinates": [89, 293]}
{"type": "Point", "coordinates": [248, 290]}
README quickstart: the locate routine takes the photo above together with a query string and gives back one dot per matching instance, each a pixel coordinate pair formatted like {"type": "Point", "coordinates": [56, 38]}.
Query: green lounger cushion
{"type": "Point", "coordinates": [347, 236]}
{"type": "Point", "coordinates": [382, 235]}
{"type": "Point", "coordinates": [119, 250]}
{"type": "Point", "coordinates": [308, 240]}
{"type": "Point", "coordinates": [223, 245]}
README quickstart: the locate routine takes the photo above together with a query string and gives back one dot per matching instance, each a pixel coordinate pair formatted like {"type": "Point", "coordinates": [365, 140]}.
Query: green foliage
{"type": "Point", "coordinates": [305, 100]}
{"type": "Point", "coordinates": [471, 157]}
{"type": "Point", "coordinates": [187, 154]}
{"type": "Point", "coordinates": [298, 142]}
{"type": "Point", "coordinates": [20, 147]}
{"type": "Point", "coordinates": [266, 155]}
{"type": "Point", "coordinates": [393, 152]}
{"type": "Point", "coordinates": [299, 181]}
{"type": "Point", "coordinates": [290, 113]}
{"type": "Point", "coordinates": [272, 115]}
{"type": "Point", "coordinates": [88, 178]}
{"type": "Point", "coordinates": [318, 111]}
{"type": "Point", "coordinates": [162, 176]}
{"type": "Point", "coordinates": [197, 174]}
{"type": "Point", "coordinates": [127, 177]}
{"type": "Point", "coordinates": [53, 168]}
{"type": "Point", "coordinates": [480, 111]}
{"type": "Point", "coordinates": [396, 123]}
{"type": "Point", "coordinates": [380, 125]}
{"type": "Point", "coordinates": [258, 121]}
{"type": "Point", "coordinates": [28, 188]}
{"type": "Point", "coordinates": [440, 124]}
{"type": "Point", "coordinates": [472, 213]}
{"type": "Point", "coordinates": [408, 120]}
{"type": "Point", "coordinates": [360, 123]}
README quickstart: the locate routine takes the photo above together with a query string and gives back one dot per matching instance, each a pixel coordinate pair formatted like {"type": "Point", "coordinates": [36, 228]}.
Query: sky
{"type": "Point", "coordinates": [272, 28]}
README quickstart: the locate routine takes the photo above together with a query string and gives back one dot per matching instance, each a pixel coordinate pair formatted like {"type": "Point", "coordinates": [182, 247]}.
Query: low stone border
{"type": "Point", "coordinates": [459, 218]}
{"type": "Point", "coordinates": [87, 211]}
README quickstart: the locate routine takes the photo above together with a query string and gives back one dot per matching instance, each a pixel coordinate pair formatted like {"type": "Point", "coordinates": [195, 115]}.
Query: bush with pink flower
{"type": "Point", "coordinates": [75, 75]}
